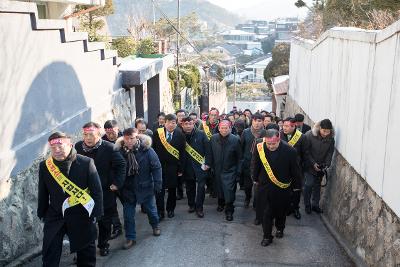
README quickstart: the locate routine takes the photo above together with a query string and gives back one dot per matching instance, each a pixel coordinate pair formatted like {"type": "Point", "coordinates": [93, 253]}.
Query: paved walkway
{"type": "Point", "coordinates": [212, 241]}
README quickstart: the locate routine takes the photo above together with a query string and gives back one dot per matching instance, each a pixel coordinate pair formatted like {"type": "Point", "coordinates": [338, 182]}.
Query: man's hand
{"type": "Point", "coordinates": [316, 167]}
{"type": "Point", "coordinates": [180, 174]}
{"type": "Point", "coordinates": [113, 188]}
{"type": "Point", "coordinates": [205, 167]}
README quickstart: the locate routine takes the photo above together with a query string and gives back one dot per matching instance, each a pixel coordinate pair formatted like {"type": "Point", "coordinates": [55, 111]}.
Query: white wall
{"type": "Point", "coordinates": [352, 76]}
{"type": "Point", "coordinates": [45, 85]}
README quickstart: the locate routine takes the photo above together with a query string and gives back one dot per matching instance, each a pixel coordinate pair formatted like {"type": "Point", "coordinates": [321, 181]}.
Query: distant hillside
{"type": "Point", "coordinates": [206, 11]}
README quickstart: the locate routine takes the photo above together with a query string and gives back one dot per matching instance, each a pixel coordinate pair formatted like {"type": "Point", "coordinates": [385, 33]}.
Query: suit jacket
{"type": "Point", "coordinates": [170, 165]}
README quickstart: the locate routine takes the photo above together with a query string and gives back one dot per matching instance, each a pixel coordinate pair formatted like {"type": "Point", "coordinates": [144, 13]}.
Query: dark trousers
{"type": "Point", "coordinates": [104, 225]}
{"type": "Point", "coordinates": [86, 257]}
{"type": "Point", "coordinates": [229, 207]}
{"type": "Point", "coordinates": [171, 200]}
{"type": "Point", "coordinates": [195, 194]}
{"type": "Point", "coordinates": [115, 221]}
{"type": "Point", "coordinates": [295, 200]}
{"type": "Point", "coordinates": [274, 208]}
{"type": "Point", "coordinates": [180, 187]}
{"type": "Point", "coordinates": [312, 187]}
{"type": "Point", "coordinates": [248, 185]}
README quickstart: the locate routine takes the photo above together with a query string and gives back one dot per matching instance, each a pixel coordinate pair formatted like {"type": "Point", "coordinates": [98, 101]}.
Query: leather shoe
{"type": "Point", "coordinates": [266, 241]}
{"type": "Point", "coordinates": [156, 231]}
{"type": "Point", "coordinates": [104, 251]}
{"type": "Point", "coordinates": [279, 234]}
{"type": "Point", "coordinates": [317, 209]}
{"type": "Point", "coordinates": [171, 214]}
{"type": "Point", "coordinates": [200, 213]}
{"type": "Point", "coordinates": [257, 222]}
{"type": "Point", "coordinates": [115, 233]}
{"type": "Point", "coordinates": [229, 217]}
{"type": "Point", "coordinates": [129, 243]}
{"type": "Point", "coordinates": [308, 210]}
{"type": "Point", "coordinates": [246, 203]}
{"type": "Point", "coordinates": [220, 208]}
{"type": "Point", "coordinates": [297, 214]}
{"type": "Point", "coordinates": [191, 209]}
{"type": "Point", "coordinates": [161, 216]}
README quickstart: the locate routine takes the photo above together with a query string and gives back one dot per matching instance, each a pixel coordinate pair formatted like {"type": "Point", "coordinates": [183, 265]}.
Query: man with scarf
{"type": "Point", "coordinates": [198, 156]}
{"type": "Point", "coordinates": [226, 158]}
{"type": "Point", "coordinates": [62, 178]}
{"type": "Point", "coordinates": [296, 139]}
{"type": "Point", "coordinates": [248, 140]}
{"type": "Point", "coordinates": [210, 126]}
{"type": "Point", "coordinates": [111, 168]}
{"type": "Point", "coordinates": [140, 183]}
{"type": "Point", "coordinates": [276, 171]}
{"type": "Point", "coordinates": [169, 144]}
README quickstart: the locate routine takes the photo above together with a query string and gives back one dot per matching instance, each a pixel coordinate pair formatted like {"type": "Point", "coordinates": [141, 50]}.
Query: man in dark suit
{"type": "Point", "coordinates": [300, 125]}
{"type": "Point", "coordinates": [198, 157]}
{"type": "Point", "coordinates": [111, 168]}
{"type": "Point", "coordinates": [62, 177]}
{"type": "Point", "coordinates": [169, 144]}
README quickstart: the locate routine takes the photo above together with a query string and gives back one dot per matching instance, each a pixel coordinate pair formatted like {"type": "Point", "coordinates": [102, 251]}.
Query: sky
{"type": "Point", "coordinates": [263, 9]}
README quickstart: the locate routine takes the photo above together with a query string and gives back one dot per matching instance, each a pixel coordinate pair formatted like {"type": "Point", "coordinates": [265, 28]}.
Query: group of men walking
{"type": "Point", "coordinates": [79, 184]}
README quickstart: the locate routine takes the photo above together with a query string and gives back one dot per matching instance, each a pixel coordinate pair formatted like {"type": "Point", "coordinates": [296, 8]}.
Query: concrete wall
{"type": "Point", "coordinates": [49, 80]}
{"type": "Point", "coordinates": [351, 76]}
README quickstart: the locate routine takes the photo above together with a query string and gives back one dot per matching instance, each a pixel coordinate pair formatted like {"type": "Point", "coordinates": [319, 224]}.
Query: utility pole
{"type": "Point", "coordinates": [234, 84]}
{"type": "Point", "coordinates": [178, 89]}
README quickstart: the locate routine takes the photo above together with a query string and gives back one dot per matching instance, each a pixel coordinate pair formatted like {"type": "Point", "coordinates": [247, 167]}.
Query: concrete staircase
{"type": "Point", "coordinates": [66, 36]}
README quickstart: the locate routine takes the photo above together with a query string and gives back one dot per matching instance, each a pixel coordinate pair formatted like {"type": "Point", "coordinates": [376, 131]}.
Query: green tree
{"type": "Point", "coordinates": [267, 44]}
{"type": "Point", "coordinates": [93, 21]}
{"type": "Point", "coordinates": [145, 46]}
{"type": "Point", "coordinates": [280, 62]}
{"type": "Point", "coordinates": [189, 26]}
{"type": "Point", "coordinates": [125, 46]}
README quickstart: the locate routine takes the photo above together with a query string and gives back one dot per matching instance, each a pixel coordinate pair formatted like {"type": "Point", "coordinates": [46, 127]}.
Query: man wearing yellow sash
{"type": "Point", "coordinates": [169, 144]}
{"type": "Point", "coordinates": [297, 140]}
{"type": "Point", "coordinates": [198, 156]}
{"type": "Point", "coordinates": [276, 171]}
{"type": "Point", "coordinates": [70, 199]}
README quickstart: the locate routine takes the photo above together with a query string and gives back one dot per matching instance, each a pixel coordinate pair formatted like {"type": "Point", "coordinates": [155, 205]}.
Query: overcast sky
{"type": "Point", "coordinates": [263, 9]}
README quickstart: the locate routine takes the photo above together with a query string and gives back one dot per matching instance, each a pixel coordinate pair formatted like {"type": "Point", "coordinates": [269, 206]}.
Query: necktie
{"type": "Point", "coordinates": [169, 137]}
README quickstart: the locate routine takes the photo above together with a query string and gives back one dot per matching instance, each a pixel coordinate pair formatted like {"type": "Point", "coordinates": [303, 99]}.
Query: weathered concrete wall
{"type": "Point", "coordinates": [366, 224]}
{"type": "Point", "coordinates": [351, 76]}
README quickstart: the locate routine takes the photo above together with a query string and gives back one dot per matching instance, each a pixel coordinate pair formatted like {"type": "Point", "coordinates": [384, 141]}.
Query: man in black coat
{"type": "Point", "coordinates": [248, 139]}
{"type": "Point", "coordinates": [274, 186]}
{"type": "Point", "coordinates": [301, 126]}
{"type": "Point", "coordinates": [112, 134]}
{"type": "Point", "coordinates": [111, 168]}
{"type": "Point", "coordinates": [60, 215]}
{"type": "Point", "coordinates": [169, 144]}
{"type": "Point", "coordinates": [198, 157]}
{"type": "Point", "coordinates": [226, 159]}
{"type": "Point", "coordinates": [296, 139]}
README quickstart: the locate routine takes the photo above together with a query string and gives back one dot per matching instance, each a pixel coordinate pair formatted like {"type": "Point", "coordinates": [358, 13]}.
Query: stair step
{"type": "Point", "coordinates": [50, 24]}
{"type": "Point", "coordinates": [17, 7]}
{"type": "Point", "coordinates": [93, 46]}
{"type": "Point", "coordinates": [106, 54]}
{"type": "Point", "coordinates": [74, 36]}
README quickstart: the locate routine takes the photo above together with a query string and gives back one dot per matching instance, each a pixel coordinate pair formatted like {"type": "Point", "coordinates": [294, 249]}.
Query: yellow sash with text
{"type": "Point", "coordinates": [207, 130]}
{"type": "Point", "coordinates": [295, 138]}
{"type": "Point", "coordinates": [77, 195]}
{"type": "Point", "coordinates": [194, 154]}
{"type": "Point", "coordinates": [260, 148]}
{"type": "Point", "coordinates": [172, 150]}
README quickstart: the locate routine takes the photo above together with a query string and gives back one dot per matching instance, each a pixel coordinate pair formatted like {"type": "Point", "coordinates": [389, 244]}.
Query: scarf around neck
{"type": "Point", "coordinates": [132, 165]}
{"type": "Point", "coordinates": [256, 133]}
{"type": "Point", "coordinates": [87, 149]}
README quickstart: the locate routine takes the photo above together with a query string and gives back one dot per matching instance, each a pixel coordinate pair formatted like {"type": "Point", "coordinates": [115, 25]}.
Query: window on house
{"type": "Point", "coordinates": [42, 11]}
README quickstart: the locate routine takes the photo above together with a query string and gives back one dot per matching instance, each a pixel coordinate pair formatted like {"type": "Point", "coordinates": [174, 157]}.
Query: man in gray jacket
{"type": "Point", "coordinates": [319, 152]}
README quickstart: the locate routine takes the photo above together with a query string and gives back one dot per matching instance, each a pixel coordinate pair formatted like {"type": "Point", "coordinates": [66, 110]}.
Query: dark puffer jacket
{"type": "Point", "coordinates": [319, 150]}
{"type": "Point", "coordinates": [141, 187]}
